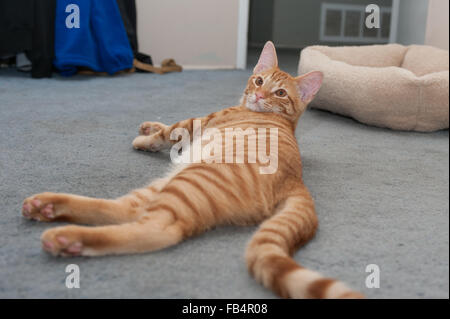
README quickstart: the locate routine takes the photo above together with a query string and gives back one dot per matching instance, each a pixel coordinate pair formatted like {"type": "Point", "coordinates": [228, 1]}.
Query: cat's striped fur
{"type": "Point", "coordinates": [195, 197]}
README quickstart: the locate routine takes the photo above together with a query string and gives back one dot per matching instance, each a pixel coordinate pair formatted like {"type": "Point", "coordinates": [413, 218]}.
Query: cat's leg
{"type": "Point", "coordinates": [152, 232]}
{"type": "Point", "coordinates": [269, 252]}
{"type": "Point", "coordinates": [163, 225]}
{"type": "Point", "coordinates": [48, 207]}
{"type": "Point", "coordinates": [155, 136]}
{"type": "Point", "coordinates": [158, 137]}
{"type": "Point", "coordinates": [92, 211]}
{"type": "Point", "coordinates": [182, 208]}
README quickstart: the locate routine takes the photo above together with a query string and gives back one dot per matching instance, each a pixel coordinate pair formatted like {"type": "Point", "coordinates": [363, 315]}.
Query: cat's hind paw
{"type": "Point", "coordinates": [62, 241]}
{"type": "Point", "coordinates": [39, 207]}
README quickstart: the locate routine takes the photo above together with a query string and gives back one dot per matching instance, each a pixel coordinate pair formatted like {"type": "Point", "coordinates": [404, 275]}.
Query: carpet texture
{"type": "Point", "coordinates": [382, 196]}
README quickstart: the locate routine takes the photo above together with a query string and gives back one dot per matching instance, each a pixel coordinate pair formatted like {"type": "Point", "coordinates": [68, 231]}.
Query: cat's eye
{"type": "Point", "coordinates": [280, 93]}
{"type": "Point", "coordinates": [259, 81]}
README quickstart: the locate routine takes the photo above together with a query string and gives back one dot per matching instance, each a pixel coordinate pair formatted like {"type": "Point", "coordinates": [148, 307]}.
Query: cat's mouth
{"type": "Point", "coordinates": [256, 105]}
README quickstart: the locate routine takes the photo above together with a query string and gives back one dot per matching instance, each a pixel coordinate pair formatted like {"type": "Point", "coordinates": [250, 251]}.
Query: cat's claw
{"type": "Point", "coordinates": [38, 208]}
{"type": "Point", "coordinates": [62, 241]}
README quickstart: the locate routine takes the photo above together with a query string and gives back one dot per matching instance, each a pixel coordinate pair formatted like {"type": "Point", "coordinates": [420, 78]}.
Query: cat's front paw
{"type": "Point", "coordinates": [149, 128]}
{"type": "Point", "coordinates": [152, 143]}
{"type": "Point", "coordinates": [40, 207]}
{"type": "Point", "coordinates": [63, 241]}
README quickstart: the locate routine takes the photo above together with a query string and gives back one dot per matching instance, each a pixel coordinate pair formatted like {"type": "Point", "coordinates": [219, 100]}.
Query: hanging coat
{"type": "Point", "coordinates": [90, 33]}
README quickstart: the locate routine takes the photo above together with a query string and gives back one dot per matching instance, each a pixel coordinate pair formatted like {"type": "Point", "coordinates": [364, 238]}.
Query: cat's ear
{"type": "Point", "coordinates": [309, 84]}
{"type": "Point", "coordinates": [267, 59]}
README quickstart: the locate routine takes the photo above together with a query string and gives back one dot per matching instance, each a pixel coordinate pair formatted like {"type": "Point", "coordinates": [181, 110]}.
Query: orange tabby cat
{"type": "Point", "coordinates": [195, 197]}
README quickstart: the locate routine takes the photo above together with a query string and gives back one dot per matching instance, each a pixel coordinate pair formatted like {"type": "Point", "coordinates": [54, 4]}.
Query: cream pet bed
{"type": "Point", "coordinates": [402, 88]}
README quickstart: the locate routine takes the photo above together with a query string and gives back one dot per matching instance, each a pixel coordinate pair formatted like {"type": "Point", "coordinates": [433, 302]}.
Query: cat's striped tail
{"type": "Point", "coordinates": [269, 253]}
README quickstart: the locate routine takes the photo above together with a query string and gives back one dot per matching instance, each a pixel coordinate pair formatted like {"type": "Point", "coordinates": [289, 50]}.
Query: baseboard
{"type": "Point", "coordinates": [209, 67]}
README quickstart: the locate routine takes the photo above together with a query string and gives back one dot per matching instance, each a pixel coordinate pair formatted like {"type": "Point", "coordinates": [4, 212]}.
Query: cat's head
{"type": "Point", "coordinates": [271, 90]}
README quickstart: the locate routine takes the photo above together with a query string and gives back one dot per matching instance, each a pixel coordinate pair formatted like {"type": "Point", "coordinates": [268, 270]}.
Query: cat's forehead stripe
{"type": "Point", "coordinates": [277, 77]}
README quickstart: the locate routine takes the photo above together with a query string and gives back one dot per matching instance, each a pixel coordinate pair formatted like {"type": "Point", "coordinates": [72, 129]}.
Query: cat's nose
{"type": "Point", "coordinates": [259, 95]}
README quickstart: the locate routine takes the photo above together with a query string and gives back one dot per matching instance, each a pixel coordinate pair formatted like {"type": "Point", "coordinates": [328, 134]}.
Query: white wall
{"type": "Point", "coordinates": [412, 21]}
{"type": "Point", "coordinates": [437, 24]}
{"type": "Point", "coordinates": [196, 33]}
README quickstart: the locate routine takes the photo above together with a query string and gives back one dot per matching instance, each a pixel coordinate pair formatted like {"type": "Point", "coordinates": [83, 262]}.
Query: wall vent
{"type": "Point", "coordinates": [346, 23]}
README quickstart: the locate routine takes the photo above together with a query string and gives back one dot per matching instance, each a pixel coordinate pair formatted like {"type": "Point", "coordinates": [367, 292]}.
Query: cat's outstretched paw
{"type": "Point", "coordinates": [150, 143]}
{"type": "Point", "coordinates": [39, 207]}
{"type": "Point", "coordinates": [149, 128]}
{"type": "Point", "coordinates": [63, 241]}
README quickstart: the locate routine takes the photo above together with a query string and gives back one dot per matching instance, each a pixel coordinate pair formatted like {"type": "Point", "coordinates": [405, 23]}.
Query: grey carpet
{"type": "Point", "coordinates": [382, 196]}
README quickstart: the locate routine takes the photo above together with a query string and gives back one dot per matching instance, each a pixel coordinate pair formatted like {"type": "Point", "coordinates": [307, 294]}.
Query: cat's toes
{"type": "Point", "coordinates": [62, 241]}
{"type": "Point", "coordinates": [39, 207]}
{"type": "Point", "coordinates": [148, 128]}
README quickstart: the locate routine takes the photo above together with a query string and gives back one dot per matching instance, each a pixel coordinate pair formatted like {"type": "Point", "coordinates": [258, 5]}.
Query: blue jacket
{"type": "Point", "coordinates": [90, 33]}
